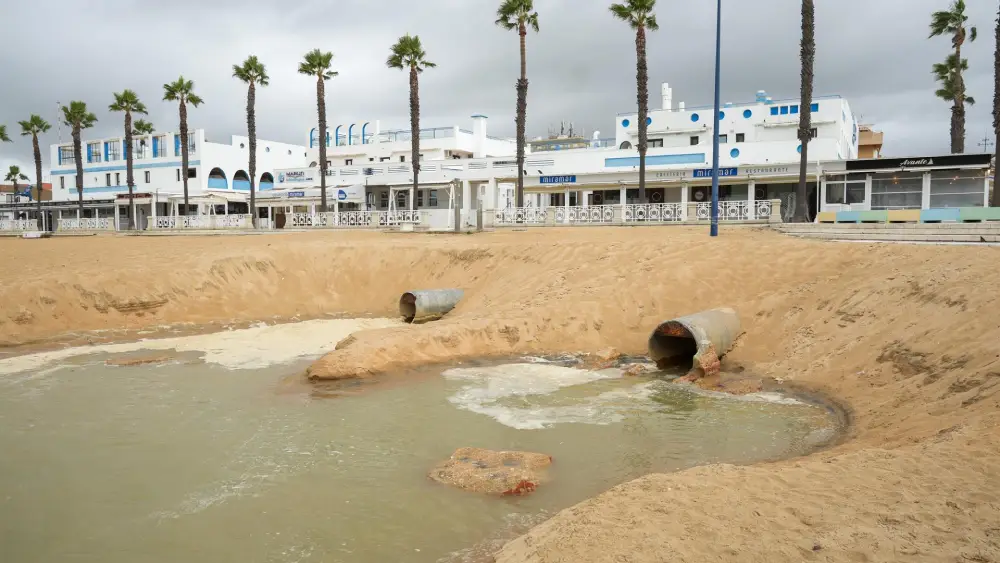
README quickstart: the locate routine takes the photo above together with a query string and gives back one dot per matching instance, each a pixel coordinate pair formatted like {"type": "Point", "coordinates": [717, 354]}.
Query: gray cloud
{"type": "Point", "coordinates": [581, 65]}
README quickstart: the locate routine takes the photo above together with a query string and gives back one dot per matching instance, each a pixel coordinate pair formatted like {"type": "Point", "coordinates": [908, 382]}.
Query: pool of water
{"type": "Point", "coordinates": [222, 453]}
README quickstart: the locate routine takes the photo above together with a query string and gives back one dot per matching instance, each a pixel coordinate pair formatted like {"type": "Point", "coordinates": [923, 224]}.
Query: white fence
{"type": "Point", "coordinates": [87, 224]}
{"type": "Point", "coordinates": [200, 222]}
{"type": "Point", "coordinates": [586, 215]}
{"type": "Point", "coordinates": [653, 212]}
{"type": "Point", "coordinates": [520, 216]}
{"type": "Point", "coordinates": [638, 214]}
{"type": "Point", "coordinates": [736, 210]}
{"type": "Point", "coordinates": [18, 224]}
{"type": "Point", "coordinates": [350, 219]}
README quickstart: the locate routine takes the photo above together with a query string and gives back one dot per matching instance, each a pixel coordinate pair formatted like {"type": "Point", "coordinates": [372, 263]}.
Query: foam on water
{"type": "Point", "coordinates": [522, 395]}
{"type": "Point", "coordinates": [256, 347]}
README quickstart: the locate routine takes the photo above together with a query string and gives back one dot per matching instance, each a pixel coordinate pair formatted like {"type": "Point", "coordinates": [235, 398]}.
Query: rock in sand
{"type": "Point", "coordinates": [492, 472]}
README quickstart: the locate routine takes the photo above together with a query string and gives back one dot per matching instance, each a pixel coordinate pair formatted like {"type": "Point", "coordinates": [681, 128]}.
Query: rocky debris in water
{"type": "Point", "coordinates": [491, 472]}
{"type": "Point", "coordinates": [137, 361]}
{"type": "Point", "coordinates": [602, 360]}
{"type": "Point", "coordinates": [728, 383]}
{"type": "Point", "coordinates": [635, 369]}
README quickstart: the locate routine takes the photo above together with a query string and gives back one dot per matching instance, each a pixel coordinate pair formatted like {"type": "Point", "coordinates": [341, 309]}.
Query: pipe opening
{"type": "Point", "coordinates": [673, 345]}
{"type": "Point", "coordinates": [408, 307]}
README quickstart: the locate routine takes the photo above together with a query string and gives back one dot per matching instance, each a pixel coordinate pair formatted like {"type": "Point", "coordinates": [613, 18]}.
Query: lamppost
{"type": "Point", "coordinates": [715, 131]}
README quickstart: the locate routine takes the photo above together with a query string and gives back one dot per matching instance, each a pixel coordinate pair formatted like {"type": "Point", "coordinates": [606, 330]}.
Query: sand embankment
{"type": "Point", "coordinates": [908, 336]}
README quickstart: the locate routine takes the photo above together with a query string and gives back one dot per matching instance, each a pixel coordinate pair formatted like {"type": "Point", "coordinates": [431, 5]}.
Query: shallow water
{"type": "Point", "coordinates": [220, 455]}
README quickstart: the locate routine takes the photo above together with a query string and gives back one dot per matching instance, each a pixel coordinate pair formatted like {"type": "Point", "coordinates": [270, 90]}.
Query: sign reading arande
{"type": "Point", "coordinates": [723, 172]}
{"type": "Point", "coordinates": [558, 179]}
{"type": "Point", "coordinates": [295, 177]}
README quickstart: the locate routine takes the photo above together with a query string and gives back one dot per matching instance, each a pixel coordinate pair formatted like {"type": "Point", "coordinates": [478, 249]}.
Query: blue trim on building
{"type": "Point", "coordinates": [265, 186]}
{"type": "Point", "coordinates": [107, 150]}
{"type": "Point", "coordinates": [218, 183]}
{"type": "Point", "coordinates": [156, 145]}
{"type": "Point", "coordinates": [350, 135]}
{"type": "Point", "coordinates": [336, 136]}
{"type": "Point", "coordinates": [121, 168]}
{"type": "Point", "coordinates": [364, 129]}
{"type": "Point", "coordinates": [241, 185]}
{"type": "Point", "coordinates": [177, 145]}
{"type": "Point", "coordinates": [312, 135]}
{"type": "Point", "coordinates": [656, 160]}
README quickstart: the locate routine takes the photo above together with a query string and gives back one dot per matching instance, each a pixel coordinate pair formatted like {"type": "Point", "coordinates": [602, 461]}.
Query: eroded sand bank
{"type": "Point", "coordinates": [908, 336]}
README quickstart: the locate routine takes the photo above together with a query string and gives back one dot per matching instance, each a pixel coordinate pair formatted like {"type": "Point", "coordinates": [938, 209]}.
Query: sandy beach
{"type": "Point", "coordinates": [907, 337]}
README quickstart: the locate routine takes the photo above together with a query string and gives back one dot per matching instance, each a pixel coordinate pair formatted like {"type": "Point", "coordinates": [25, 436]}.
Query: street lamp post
{"type": "Point", "coordinates": [715, 131]}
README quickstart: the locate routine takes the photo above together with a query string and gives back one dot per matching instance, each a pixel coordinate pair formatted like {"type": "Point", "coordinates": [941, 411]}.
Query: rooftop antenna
{"type": "Point", "coordinates": [59, 121]}
{"type": "Point", "coordinates": [986, 143]}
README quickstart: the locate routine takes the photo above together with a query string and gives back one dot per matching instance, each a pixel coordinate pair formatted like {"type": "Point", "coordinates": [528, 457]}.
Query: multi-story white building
{"type": "Point", "coordinates": [219, 169]}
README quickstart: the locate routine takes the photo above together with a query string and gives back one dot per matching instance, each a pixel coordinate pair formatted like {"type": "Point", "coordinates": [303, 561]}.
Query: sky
{"type": "Point", "coordinates": [581, 65]}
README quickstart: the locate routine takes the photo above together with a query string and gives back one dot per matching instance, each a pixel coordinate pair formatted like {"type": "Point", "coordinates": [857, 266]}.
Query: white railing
{"type": "Point", "coordinates": [18, 224]}
{"type": "Point", "coordinates": [763, 209]}
{"type": "Point", "coordinates": [586, 215]}
{"type": "Point", "coordinates": [87, 224]}
{"type": "Point", "coordinates": [520, 216]}
{"type": "Point", "coordinates": [653, 212]}
{"type": "Point", "coordinates": [728, 211]}
{"type": "Point", "coordinates": [349, 219]}
{"type": "Point", "coordinates": [200, 222]}
{"type": "Point", "coordinates": [390, 218]}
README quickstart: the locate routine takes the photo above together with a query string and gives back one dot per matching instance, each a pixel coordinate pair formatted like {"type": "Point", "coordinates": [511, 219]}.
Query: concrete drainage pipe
{"type": "Point", "coordinates": [699, 340]}
{"type": "Point", "coordinates": [429, 304]}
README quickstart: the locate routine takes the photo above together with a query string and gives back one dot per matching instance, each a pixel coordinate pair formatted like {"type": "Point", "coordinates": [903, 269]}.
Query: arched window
{"type": "Point", "coordinates": [625, 145]}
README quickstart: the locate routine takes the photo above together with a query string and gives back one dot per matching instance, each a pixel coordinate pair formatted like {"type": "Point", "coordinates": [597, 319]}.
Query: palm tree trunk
{"type": "Point", "coordinates": [642, 92]}
{"type": "Point", "coordinates": [128, 169]}
{"type": "Point", "coordinates": [184, 149]}
{"type": "Point", "coordinates": [78, 149]}
{"type": "Point", "coordinates": [38, 178]}
{"type": "Point", "coordinates": [958, 110]}
{"type": "Point", "coordinates": [995, 202]}
{"type": "Point", "coordinates": [415, 128]}
{"type": "Point", "coordinates": [522, 112]}
{"type": "Point", "coordinates": [808, 56]}
{"type": "Point", "coordinates": [321, 109]}
{"type": "Point", "coordinates": [252, 133]}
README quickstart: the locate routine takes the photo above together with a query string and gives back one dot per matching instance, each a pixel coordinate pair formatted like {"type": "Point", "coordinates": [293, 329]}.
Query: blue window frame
{"type": "Point", "coordinates": [795, 110]}
{"type": "Point", "coordinates": [814, 107]}
{"type": "Point", "coordinates": [784, 110]}
{"type": "Point", "coordinates": [774, 110]}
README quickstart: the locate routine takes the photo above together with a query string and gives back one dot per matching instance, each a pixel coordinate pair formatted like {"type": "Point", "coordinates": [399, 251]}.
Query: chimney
{"type": "Point", "coordinates": [680, 106]}
{"type": "Point", "coordinates": [668, 95]}
{"type": "Point", "coordinates": [479, 134]}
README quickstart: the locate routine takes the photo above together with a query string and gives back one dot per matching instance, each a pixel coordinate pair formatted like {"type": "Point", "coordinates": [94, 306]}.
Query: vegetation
{"type": "Point", "coordinates": [182, 92]}
{"type": "Point", "coordinates": [519, 15]}
{"type": "Point", "coordinates": [128, 103]}
{"type": "Point", "coordinates": [4, 138]}
{"type": "Point", "coordinates": [808, 58]}
{"type": "Point", "coordinates": [640, 17]}
{"type": "Point", "coordinates": [952, 23]}
{"type": "Point", "coordinates": [77, 117]}
{"type": "Point", "coordinates": [317, 63]}
{"type": "Point", "coordinates": [14, 176]}
{"type": "Point", "coordinates": [253, 73]}
{"type": "Point", "coordinates": [408, 54]}
{"type": "Point", "coordinates": [33, 127]}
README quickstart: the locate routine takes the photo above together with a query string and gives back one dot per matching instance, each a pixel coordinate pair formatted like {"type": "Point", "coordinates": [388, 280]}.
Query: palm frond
{"type": "Point", "coordinates": [317, 63]}
{"type": "Point", "coordinates": [76, 115]}
{"type": "Point", "coordinates": [408, 53]}
{"type": "Point", "coordinates": [127, 101]}
{"type": "Point", "coordinates": [4, 138]}
{"type": "Point", "coordinates": [142, 127]}
{"type": "Point", "coordinates": [251, 71]}
{"type": "Point", "coordinates": [637, 13]}
{"type": "Point", "coordinates": [34, 125]}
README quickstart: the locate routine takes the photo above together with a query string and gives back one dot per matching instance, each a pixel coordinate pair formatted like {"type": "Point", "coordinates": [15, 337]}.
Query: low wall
{"type": "Point", "coordinates": [950, 215]}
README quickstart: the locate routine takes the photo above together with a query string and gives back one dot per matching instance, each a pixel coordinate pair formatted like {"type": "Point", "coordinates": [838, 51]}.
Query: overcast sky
{"type": "Point", "coordinates": [581, 66]}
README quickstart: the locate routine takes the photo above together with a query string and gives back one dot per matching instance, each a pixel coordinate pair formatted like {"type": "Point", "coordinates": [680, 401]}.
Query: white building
{"type": "Point", "coordinates": [213, 168]}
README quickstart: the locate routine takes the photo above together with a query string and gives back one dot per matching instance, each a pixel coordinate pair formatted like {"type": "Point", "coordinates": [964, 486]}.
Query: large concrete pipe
{"type": "Point", "coordinates": [428, 304]}
{"type": "Point", "coordinates": [701, 339]}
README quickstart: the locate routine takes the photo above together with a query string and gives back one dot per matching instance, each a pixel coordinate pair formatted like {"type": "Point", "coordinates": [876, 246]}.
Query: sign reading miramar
{"type": "Point", "coordinates": [558, 179]}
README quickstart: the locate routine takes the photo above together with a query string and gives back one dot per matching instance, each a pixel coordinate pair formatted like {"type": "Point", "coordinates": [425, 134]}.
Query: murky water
{"type": "Point", "coordinates": [218, 455]}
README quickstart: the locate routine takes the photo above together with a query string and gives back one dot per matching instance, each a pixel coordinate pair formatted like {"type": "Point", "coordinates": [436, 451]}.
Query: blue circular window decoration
{"type": "Point", "coordinates": [722, 115]}
{"type": "Point", "coordinates": [799, 150]}
{"type": "Point", "coordinates": [735, 153]}
{"type": "Point", "coordinates": [649, 121]}
{"type": "Point", "coordinates": [695, 117]}
{"type": "Point", "coordinates": [625, 123]}
{"type": "Point", "coordinates": [747, 114]}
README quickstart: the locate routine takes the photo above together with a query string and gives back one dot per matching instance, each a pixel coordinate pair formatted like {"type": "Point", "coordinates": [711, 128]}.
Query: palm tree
{"type": "Point", "coordinates": [408, 54]}
{"type": "Point", "coordinates": [14, 176]}
{"type": "Point", "coordinates": [808, 58]}
{"type": "Point", "coordinates": [639, 15]}
{"type": "Point", "coordinates": [951, 22]}
{"type": "Point", "coordinates": [946, 74]}
{"type": "Point", "coordinates": [252, 72]}
{"type": "Point", "coordinates": [996, 112]}
{"type": "Point", "coordinates": [77, 117]}
{"type": "Point", "coordinates": [128, 102]}
{"type": "Point", "coordinates": [317, 63]}
{"type": "Point", "coordinates": [35, 126]}
{"type": "Point", "coordinates": [518, 15]}
{"type": "Point", "coordinates": [182, 92]}
{"type": "Point", "coordinates": [3, 135]}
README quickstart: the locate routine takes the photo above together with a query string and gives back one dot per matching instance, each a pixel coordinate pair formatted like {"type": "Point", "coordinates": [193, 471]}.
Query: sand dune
{"type": "Point", "coordinates": [907, 336]}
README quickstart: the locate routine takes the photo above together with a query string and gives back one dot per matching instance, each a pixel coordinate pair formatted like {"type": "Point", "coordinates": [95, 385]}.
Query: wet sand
{"type": "Point", "coordinates": [906, 336]}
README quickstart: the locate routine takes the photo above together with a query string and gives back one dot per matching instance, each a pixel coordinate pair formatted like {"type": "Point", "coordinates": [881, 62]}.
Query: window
{"type": "Point", "coordinates": [62, 182]}
{"type": "Point", "coordinates": [178, 174]}
{"type": "Point", "coordinates": [107, 178]}
{"type": "Point", "coordinates": [383, 159]}
{"type": "Point", "coordinates": [400, 200]}
{"type": "Point", "coordinates": [656, 143]}
{"type": "Point", "coordinates": [160, 146]}
{"type": "Point", "coordinates": [372, 159]}
{"type": "Point", "coordinates": [784, 110]}
{"type": "Point", "coordinates": [814, 108]}
{"type": "Point", "coordinates": [383, 199]}
{"type": "Point", "coordinates": [420, 198]}
{"type": "Point", "coordinates": [724, 138]}
{"type": "Point", "coordinates": [348, 161]}
{"type": "Point", "coordinates": [846, 189]}
{"type": "Point", "coordinates": [402, 158]}
{"type": "Point", "coordinates": [93, 152]}
{"type": "Point", "coordinates": [190, 143]}
{"type": "Point", "coordinates": [118, 179]}
{"type": "Point", "coordinates": [694, 140]}
{"type": "Point", "coordinates": [192, 172]}
{"type": "Point", "coordinates": [774, 110]}
{"type": "Point", "coordinates": [141, 148]}
{"type": "Point", "coordinates": [813, 133]}
{"type": "Point", "coordinates": [432, 198]}
{"type": "Point", "coordinates": [66, 155]}
{"type": "Point", "coordinates": [147, 176]}
{"type": "Point", "coordinates": [740, 137]}
{"type": "Point", "coordinates": [420, 158]}
{"type": "Point", "coordinates": [897, 190]}
{"type": "Point", "coordinates": [113, 150]}
{"type": "Point", "coordinates": [795, 110]}
{"type": "Point", "coordinates": [958, 188]}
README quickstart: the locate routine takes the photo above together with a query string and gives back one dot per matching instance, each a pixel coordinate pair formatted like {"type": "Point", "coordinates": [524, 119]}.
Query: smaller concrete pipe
{"type": "Point", "coordinates": [704, 338]}
{"type": "Point", "coordinates": [428, 304]}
